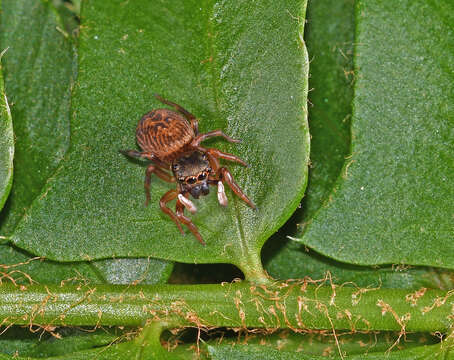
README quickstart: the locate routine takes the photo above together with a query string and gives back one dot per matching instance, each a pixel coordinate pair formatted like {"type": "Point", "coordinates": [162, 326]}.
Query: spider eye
{"type": "Point", "coordinates": [191, 180]}
{"type": "Point", "coordinates": [202, 176]}
{"type": "Point", "coordinates": [175, 167]}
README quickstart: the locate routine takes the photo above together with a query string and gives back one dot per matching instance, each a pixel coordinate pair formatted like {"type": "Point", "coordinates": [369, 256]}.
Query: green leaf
{"type": "Point", "coordinates": [16, 340]}
{"type": "Point", "coordinates": [134, 271]}
{"type": "Point", "coordinates": [72, 344]}
{"type": "Point", "coordinates": [6, 143]}
{"type": "Point", "coordinates": [15, 264]}
{"type": "Point", "coordinates": [442, 351]}
{"type": "Point", "coordinates": [69, 13]}
{"type": "Point", "coordinates": [127, 350]}
{"type": "Point", "coordinates": [21, 267]}
{"type": "Point", "coordinates": [39, 71]}
{"type": "Point", "coordinates": [311, 345]}
{"type": "Point", "coordinates": [329, 41]}
{"type": "Point", "coordinates": [144, 346]}
{"type": "Point", "coordinates": [393, 202]}
{"type": "Point", "coordinates": [240, 67]}
{"type": "Point", "coordinates": [296, 261]}
{"type": "Point", "coordinates": [39, 86]}
{"type": "Point", "coordinates": [40, 345]}
{"type": "Point", "coordinates": [253, 352]}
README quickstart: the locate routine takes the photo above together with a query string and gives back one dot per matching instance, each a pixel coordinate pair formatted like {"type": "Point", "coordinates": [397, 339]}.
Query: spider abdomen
{"type": "Point", "coordinates": [164, 133]}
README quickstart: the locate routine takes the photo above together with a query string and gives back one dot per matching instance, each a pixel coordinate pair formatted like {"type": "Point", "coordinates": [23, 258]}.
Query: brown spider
{"type": "Point", "coordinates": [172, 142]}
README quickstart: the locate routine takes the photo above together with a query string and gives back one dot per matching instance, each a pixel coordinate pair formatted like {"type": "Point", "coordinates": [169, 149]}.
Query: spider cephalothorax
{"type": "Point", "coordinates": [172, 142]}
{"type": "Point", "coordinates": [192, 173]}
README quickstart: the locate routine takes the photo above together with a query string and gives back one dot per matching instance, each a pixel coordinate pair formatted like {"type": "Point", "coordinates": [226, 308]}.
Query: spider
{"type": "Point", "coordinates": [171, 141]}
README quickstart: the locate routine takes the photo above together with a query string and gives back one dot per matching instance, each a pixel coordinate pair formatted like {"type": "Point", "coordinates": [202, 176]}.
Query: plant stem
{"type": "Point", "coordinates": [296, 305]}
{"type": "Point", "coordinates": [253, 270]}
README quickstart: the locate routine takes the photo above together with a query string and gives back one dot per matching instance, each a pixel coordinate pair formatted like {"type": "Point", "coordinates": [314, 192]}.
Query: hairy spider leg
{"type": "Point", "coordinates": [158, 167]}
{"type": "Point", "coordinates": [218, 154]}
{"type": "Point", "coordinates": [144, 155]}
{"type": "Point", "coordinates": [160, 173]}
{"type": "Point", "coordinates": [169, 196]}
{"type": "Point", "coordinates": [223, 174]}
{"type": "Point", "coordinates": [192, 119]}
{"type": "Point", "coordinates": [185, 220]}
{"type": "Point", "coordinates": [201, 137]}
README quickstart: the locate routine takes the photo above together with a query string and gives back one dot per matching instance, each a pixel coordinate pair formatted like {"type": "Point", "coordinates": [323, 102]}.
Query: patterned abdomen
{"type": "Point", "coordinates": [164, 133]}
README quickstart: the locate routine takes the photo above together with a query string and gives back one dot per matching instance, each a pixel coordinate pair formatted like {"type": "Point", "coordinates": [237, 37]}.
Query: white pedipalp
{"type": "Point", "coordinates": [222, 198]}
{"type": "Point", "coordinates": [188, 204]}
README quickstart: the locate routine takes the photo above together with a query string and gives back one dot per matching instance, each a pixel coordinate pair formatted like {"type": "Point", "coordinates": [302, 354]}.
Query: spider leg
{"type": "Point", "coordinates": [192, 119]}
{"type": "Point", "coordinates": [144, 155]}
{"type": "Point", "coordinates": [201, 137]}
{"type": "Point", "coordinates": [138, 155]}
{"type": "Point", "coordinates": [225, 175]}
{"type": "Point", "coordinates": [185, 220]}
{"type": "Point", "coordinates": [158, 167]}
{"type": "Point", "coordinates": [160, 173]}
{"type": "Point", "coordinates": [169, 196]}
{"type": "Point", "coordinates": [218, 154]}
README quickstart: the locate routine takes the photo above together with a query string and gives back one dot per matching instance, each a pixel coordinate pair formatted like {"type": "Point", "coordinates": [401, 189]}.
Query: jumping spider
{"type": "Point", "coordinates": [171, 141]}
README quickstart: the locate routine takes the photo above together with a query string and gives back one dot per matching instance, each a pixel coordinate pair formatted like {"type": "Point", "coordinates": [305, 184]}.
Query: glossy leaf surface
{"type": "Point", "coordinates": [6, 145]}
{"type": "Point", "coordinates": [393, 202]}
{"type": "Point", "coordinates": [329, 41]}
{"type": "Point", "coordinates": [246, 352]}
{"type": "Point", "coordinates": [38, 70]}
{"type": "Point", "coordinates": [20, 342]}
{"type": "Point", "coordinates": [23, 268]}
{"type": "Point", "coordinates": [133, 271]}
{"type": "Point", "coordinates": [289, 345]}
{"type": "Point", "coordinates": [39, 86]}
{"type": "Point", "coordinates": [296, 261]}
{"type": "Point", "coordinates": [240, 67]}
